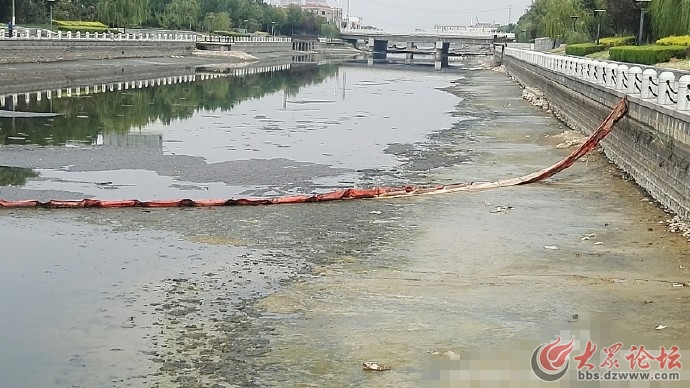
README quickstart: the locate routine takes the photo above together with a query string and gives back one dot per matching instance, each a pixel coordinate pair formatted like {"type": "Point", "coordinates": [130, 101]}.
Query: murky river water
{"type": "Point", "coordinates": [301, 295]}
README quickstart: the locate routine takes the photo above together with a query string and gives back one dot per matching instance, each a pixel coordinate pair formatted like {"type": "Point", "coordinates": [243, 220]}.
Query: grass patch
{"type": "Point", "coordinates": [674, 41]}
{"type": "Point", "coordinates": [599, 56]}
{"type": "Point", "coordinates": [79, 26]}
{"type": "Point", "coordinates": [677, 64]}
{"type": "Point", "coordinates": [583, 49]}
{"type": "Point", "coordinates": [647, 55]}
{"type": "Point", "coordinates": [615, 41]}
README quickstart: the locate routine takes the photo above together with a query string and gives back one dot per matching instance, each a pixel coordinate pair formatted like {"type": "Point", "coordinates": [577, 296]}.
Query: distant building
{"type": "Point", "coordinates": [353, 22]}
{"type": "Point", "coordinates": [333, 15]}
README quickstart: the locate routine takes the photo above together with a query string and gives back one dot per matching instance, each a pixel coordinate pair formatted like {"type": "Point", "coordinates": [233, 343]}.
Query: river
{"type": "Point", "coordinates": [302, 295]}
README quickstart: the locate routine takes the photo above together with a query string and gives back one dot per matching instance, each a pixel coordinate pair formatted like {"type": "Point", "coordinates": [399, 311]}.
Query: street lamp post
{"type": "Point", "coordinates": [273, 28]}
{"type": "Point", "coordinates": [13, 19]}
{"type": "Point", "coordinates": [643, 10]}
{"type": "Point", "coordinates": [599, 13]}
{"type": "Point", "coordinates": [574, 17]}
{"type": "Point", "coordinates": [50, 4]}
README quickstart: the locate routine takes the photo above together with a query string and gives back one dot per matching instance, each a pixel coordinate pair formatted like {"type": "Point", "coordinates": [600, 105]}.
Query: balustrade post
{"type": "Point", "coordinates": [622, 78]}
{"type": "Point", "coordinates": [650, 85]}
{"type": "Point", "coordinates": [684, 93]}
{"type": "Point", "coordinates": [612, 75]}
{"type": "Point", "coordinates": [668, 89]}
{"type": "Point", "coordinates": [635, 80]}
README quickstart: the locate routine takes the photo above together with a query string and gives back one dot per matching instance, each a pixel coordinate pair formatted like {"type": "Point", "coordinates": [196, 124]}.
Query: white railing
{"type": "Point", "coordinates": [422, 33]}
{"type": "Point", "coordinates": [243, 39]}
{"type": "Point", "coordinates": [37, 34]}
{"type": "Point", "coordinates": [650, 85]}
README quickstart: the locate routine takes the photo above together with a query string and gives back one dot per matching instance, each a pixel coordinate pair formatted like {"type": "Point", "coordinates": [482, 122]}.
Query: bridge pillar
{"type": "Point", "coordinates": [380, 49]}
{"type": "Point", "coordinates": [441, 57]}
{"type": "Point", "coordinates": [409, 56]}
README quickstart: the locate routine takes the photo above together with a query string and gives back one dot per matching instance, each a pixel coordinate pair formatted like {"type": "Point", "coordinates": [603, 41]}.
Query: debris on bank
{"type": "Point", "coordinates": [499, 69]}
{"type": "Point", "coordinates": [678, 225]}
{"type": "Point", "coordinates": [536, 98]}
{"type": "Point", "coordinates": [369, 365]}
{"type": "Point", "coordinates": [570, 139]}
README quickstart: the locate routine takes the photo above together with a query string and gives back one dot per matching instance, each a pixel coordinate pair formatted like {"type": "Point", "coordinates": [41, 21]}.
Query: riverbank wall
{"type": "Point", "coordinates": [651, 144]}
{"type": "Point", "coordinates": [46, 50]}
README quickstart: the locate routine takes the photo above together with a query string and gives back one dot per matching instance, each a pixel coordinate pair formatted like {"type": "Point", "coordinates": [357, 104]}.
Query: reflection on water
{"type": "Point", "coordinates": [119, 108]}
{"type": "Point", "coordinates": [15, 176]}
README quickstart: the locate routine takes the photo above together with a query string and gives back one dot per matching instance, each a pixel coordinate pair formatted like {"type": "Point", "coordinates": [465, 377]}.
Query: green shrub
{"type": "Point", "coordinates": [647, 55]}
{"type": "Point", "coordinates": [615, 41]}
{"type": "Point", "coordinates": [583, 49]}
{"type": "Point", "coordinates": [674, 41]}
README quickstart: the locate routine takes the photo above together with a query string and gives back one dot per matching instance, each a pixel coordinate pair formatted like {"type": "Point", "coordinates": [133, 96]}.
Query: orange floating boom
{"type": "Point", "coordinates": [619, 111]}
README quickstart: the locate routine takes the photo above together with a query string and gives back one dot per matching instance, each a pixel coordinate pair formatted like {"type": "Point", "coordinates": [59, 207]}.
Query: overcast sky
{"type": "Point", "coordinates": [410, 14]}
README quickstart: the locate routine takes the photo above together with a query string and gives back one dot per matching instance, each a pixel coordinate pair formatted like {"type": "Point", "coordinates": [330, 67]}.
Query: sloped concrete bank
{"type": "Point", "coordinates": [36, 50]}
{"type": "Point", "coordinates": [652, 144]}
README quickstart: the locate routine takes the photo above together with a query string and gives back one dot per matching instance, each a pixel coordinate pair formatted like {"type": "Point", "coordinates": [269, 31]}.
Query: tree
{"type": "Point", "coordinates": [670, 17]}
{"type": "Point", "coordinates": [217, 21]}
{"type": "Point", "coordinates": [122, 12]}
{"type": "Point", "coordinates": [181, 14]}
{"type": "Point", "coordinates": [294, 18]}
{"type": "Point", "coordinates": [329, 30]}
{"type": "Point", "coordinates": [552, 18]}
{"type": "Point", "coordinates": [623, 16]}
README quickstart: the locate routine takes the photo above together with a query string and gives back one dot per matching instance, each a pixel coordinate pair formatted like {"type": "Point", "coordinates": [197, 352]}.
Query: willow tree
{"type": "Point", "coordinates": [122, 12]}
{"type": "Point", "coordinates": [670, 17]}
{"type": "Point", "coordinates": [558, 21]}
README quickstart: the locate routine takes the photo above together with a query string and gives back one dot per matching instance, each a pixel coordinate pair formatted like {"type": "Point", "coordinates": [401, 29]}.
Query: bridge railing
{"type": "Point", "coordinates": [420, 33]}
{"type": "Point", "coordinates": [659, 86]}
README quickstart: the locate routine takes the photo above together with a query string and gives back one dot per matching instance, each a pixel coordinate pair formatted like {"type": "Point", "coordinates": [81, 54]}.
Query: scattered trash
{"type": "Point", "coordinates": [576, 316]}
{"type": "Point", "coordinates": [648, 301]}
{"type": "Point", "coordinates": [678, 285]}
{"type": "Point", "coordinates": [552, 247]}
{"type": "Point", "coordinates": [375, 212]}
{"type": "Point", "coordinates": [369, 365]}
{"type": "Point", "coordinates": [499, 209]}
{"type": "Point", "coordinates": [451, 355]}
{"type": "Point", "coordinates": [598, 243]}
{"type": "Point", "coordinates": [660, 327]}
{"type": "Point", "coordinates": [588, 236]}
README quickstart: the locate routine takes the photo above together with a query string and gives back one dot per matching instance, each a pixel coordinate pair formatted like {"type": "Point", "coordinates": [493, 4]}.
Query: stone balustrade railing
{"type": "Point", "coordinates": [243, 39]}
{"type": "Point", "coordinates": [138, 36]}
{"type": "Point", "coordinates": [69, 35]}
{"type": "Point", "coordinates": [654, 85]}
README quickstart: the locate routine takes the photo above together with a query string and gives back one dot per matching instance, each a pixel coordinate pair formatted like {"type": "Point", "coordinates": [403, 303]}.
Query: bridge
{"type": "Point", "coordinates": [380, 42]}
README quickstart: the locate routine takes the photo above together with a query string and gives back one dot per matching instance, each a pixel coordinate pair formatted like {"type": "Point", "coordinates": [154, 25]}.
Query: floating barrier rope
{"type": "Point", "coordinates": [619, 111]}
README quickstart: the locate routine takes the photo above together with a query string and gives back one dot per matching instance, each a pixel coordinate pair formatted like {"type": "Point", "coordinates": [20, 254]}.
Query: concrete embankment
{"type": "Point", "coordinates": [652, 144]}
{"type": "Point", "coordinates": [37, 50]}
